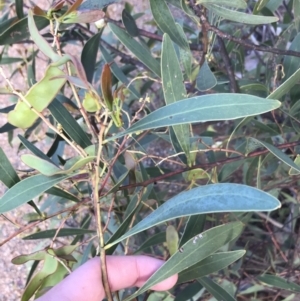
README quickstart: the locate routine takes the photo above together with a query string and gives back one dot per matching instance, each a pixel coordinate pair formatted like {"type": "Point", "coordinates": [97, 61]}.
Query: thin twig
{"type": "Point", "coordinates": [98, 210]}
{"type": "Point", "coordinates": [234, 88]}
{"type": "Point", "coordinates": [207, 165]}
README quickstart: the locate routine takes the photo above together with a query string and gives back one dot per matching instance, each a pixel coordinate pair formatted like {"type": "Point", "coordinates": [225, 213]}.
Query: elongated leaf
{"type": "Point", "coordinates": [106, 87]}
{"type": "Point", "coordinates": [204, 108]}
{"type": "Point", "coordinates": [69, 124]}
{"type": "Point", "coordinates": [24, 191]}
{"type": "Point", "coordinates": [118, 73]}
{"type": "Point", "coordinates": [285, 87]}
{"type": "Point", "coordinates": [194, 251]}
{"type": "Point", "coordinates": [34, 149]}
{"type": "Point", "coordinates": [232, 15]}
{"type": "Point", "coordinates": [49, 169]}
{"type": "Point", "coordinates": [7, 127]}
{"type": "Point", "coordinates": [174, 89]}
{"type": "Point", "coordinates": [296, 8]}
{"type": "Point", "coordinates": [172, 239]}
{"type": "Point", "coordinates": [18, 31]}
{"type": "Point", "coordinates": [291, 64]}
{"type": "Point", "coordinates": [129, 23]}
{"type": "Point", "coordinates": [166, 23]}
{"type": "Point", "coordinates": [209, 265]}
{"type": "Point", "coordinates": [19, 8]}
{"type": "Point", "coordinates": [207, 199]}
{"type": "Point", "coordinates": [279, 282]}
{"type": "Point", "coordinates": [39, 40]}
{"type": "Point", "coordinates": [7, 109]}
{"type": "Point", "coordinates": [119, 183]}
{"type": "Point", "coordinates": [89, 56]}
{"type": "Point", "coordinates": [194, 226]}
{"type": "Point", "coordinates": [278, 153]}
{"type": "Point", "coordinates": [39, 96]}
{"type": "Point", "coordinates": [8, 175]}
{"type": "Point", "coordinates": [10, 60]}
{"type": "Point", "coordinates": [96, 4]}
{"type": "Point", "coordinates": [230, 3]}
{"type": "Point", "coordinates": [62, 232]}
{"type": "Point", "coordinates": [176, 3]}
{"type": "Point", "coordinates": [216, 290]}
{"type": "Point", "coordinates": [63, 194]}
{"type": "Point", "coordinates": [44, 167]}
{"type": "Point", "coordinates": [49, 267]}
{"type": "Point", "coordinates": [190, 292]}
{"type": "Point", "coordinates": [186, 56]}
{"type": "Point", "coordinates": [205, 78]}
{"type": "Point", "coordinates": [136, 48]}
{"type": "Point", "coordinates": [153, 240]}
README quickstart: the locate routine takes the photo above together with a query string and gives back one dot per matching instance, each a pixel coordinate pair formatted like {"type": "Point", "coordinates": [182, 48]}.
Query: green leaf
{"type": "Point", "coordinates": [195, 250]}
{"type": "Point", "coordinates": [39, 40]}
{"type": "Point", "coordinates": [8, 175]}
{"type": "Point", "coordinates": [62, 232]}
{"type": "Point", "coordinates": [278, 153]}
{"type": "Point", "coordinates": [44, 167]}
{"type": "Point", "coordinates": [190, 292]}
{"type": "Point", "coordinates": [279, 282]}
{"type": "Point", "coordinates": [121, 179]}
{"type": "Point", "coordinates": [7, 127]}
{"type": "Point", "coordinates": [209, 265]}
{"type": "Point", "coordinates": [134, 206]}
{"type": "Point", "coordinates": [69, 124]}
{"type": "Point", "coordinates": [21, 259]}
{"type": "Point", "coordinates": [129, 23]}
{"type": "Point", "coordinates": [96, 4]}
{"type": "Point", "coordinates": [174, 89]}
{"type": "Point", "coordinates": [89, 56]}
{"type": "Point", "coordinates": [231, 3]}
{"type": "Point", "coordinates": [205, 79]}
{"type": "Point", "coordinates": [186, 56]}
{"type": "Point", "coordinates": [118, 73]}
{"type": "Point", "coordinates": [49, 169]}
{"type": "Point", "coordinates": [291, 63]}
{"type": "Point", "coordinates": [18, 31]}
{"type": "Point", "coordinates": [26, 190]}
{"type": "Point", "coordinates": [31, 147]}
{"type": "Point", "coordinates": [296, 9]}
{"type": "Point", "coordinates": [81, 16]}
{"type": "Point", "coordinates": [39, 96]}
{"type": "Point", "coordinates": [172, 239]}
{"type": "Point", "coordinates": [260, 4]}
{"type": "Point", "coordinates": [166, 23]}
{"type": "Point", "coordinates": [10, 60]}
{"type": "Point", "coordinates": [153, 240]}
{"type": "Point", "coordinates": [49, 267]}
{"type": "Point", "coordinates": [215, 289]}
{"type": "Point", "coordinates": [206, 199]}
{"type": "Point", "coordinates": [204, 108]}
{"type": "Point", "coordinates": [232, 15]}
{"type": "Point", "coordinates": [63, 194]}
{"type": "Point", "coordinates": [136, 48]}
{"type": "Point", "coordinates": [285, 87]}
{"type": "Point", "coordinates": [194, 226]}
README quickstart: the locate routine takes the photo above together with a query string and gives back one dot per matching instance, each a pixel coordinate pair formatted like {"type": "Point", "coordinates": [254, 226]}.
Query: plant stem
{"type": "Point", "coordinates": [98, 211]}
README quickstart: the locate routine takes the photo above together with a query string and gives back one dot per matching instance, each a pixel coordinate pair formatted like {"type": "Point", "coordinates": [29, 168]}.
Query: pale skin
{"type": "Point", "coordinates": [85, 283]}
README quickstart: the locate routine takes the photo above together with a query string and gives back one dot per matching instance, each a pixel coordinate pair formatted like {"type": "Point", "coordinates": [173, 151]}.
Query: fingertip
{"type": "Point", "coordinates": [135, 271]}
{"type": "Point", "coordinates": [166, 284]}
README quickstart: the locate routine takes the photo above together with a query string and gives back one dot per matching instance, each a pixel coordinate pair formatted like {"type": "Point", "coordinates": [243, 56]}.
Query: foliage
{"type": "Point", "coordinates": [227, 134]}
